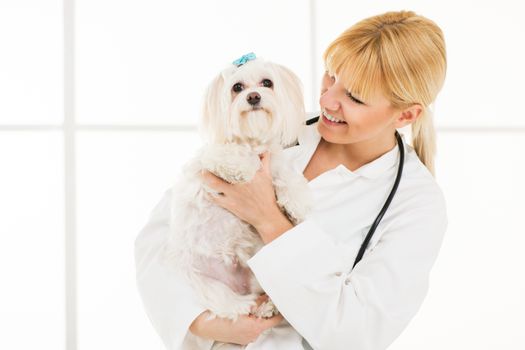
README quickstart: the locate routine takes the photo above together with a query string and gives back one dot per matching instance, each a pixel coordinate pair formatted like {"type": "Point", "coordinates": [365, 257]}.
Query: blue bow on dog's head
{"type": "Point", "coordinates": [244, 58]}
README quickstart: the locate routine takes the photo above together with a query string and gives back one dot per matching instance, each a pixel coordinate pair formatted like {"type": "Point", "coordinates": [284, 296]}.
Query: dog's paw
{"type": "Point", "coordinates": [266, 310]}
{"type": "Point", "coordinates": [237, 305]}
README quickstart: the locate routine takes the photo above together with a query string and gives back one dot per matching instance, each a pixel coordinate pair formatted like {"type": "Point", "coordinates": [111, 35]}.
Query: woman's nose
{"type": "Point", "coordinates": [328, 99]}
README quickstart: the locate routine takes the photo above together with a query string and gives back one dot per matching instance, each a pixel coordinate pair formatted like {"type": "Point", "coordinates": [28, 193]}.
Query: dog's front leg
{"type": "Point", "coordinates": [232, 162]}
{"type": "Point", "coordinates": [291, 189]}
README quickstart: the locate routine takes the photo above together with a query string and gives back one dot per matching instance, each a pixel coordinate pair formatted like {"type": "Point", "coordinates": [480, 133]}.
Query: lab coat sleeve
{"type": "Point", "coordinates": [367, 308]}
{"type": "Point", "coordinates": [167, 298]}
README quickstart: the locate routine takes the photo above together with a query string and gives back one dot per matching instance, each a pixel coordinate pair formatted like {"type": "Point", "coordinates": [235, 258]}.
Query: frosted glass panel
{"type": "Point", "coordinates": [485, 54]}
{"type": "Point", "coordinates": [121, 177]}
{"type": "Point", "coordinates": [150, 61]}
{"type": "Point", "coordinates": [476, 288]}
{"type": "Point", "coordinates": [32, 300]}
{"type": "Point", "coordinates": [31, 61]}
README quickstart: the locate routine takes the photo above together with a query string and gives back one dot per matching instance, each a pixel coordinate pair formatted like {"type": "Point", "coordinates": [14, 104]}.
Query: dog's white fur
{"type": "Point", "coordinates": [236, 134]}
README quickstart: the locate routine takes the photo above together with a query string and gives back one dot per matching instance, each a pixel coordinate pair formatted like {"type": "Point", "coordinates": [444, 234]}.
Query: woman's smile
{"type": "Point", "coordinates": [331, 120]}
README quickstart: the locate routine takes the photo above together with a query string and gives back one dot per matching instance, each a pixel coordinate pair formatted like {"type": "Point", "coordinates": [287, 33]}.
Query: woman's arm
{"type": "Point", "coordinates": [243, 331]}
{"type": "Point", "coordinates": [304, 274]}
{"type": "Point", "coordinates": [169, 301]}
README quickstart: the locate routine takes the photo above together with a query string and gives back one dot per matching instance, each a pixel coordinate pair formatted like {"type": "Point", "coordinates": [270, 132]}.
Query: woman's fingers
{"type": "Point", "coordinates": [260, 300]}
{"type": "Point", "coordinates": [245, 330]}
{"type": "Point", "coordinates": [265, 323]}
{"type": "Point", "coordinates": [213, 181]}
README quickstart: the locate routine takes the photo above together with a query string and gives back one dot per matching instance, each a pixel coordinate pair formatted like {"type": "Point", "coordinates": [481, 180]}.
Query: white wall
{"type": "Point", "coordinates": [127, 79]}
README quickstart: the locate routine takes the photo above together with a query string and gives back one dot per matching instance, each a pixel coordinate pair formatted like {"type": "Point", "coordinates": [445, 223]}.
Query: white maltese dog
{"type": "Point", "coordinates": [251, 107]}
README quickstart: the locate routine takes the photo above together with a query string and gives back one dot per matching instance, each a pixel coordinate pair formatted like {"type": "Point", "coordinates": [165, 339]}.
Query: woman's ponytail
{"type": "Point", "coordinates": [424, 139]}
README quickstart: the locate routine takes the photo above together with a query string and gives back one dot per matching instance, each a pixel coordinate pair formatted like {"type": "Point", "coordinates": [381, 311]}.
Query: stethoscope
{"type": "Point", "coordinates": [389, 199]}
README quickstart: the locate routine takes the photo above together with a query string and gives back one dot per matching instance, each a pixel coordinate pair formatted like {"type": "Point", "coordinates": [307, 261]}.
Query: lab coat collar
{"type": "Point", "coordinates": [310, 137]}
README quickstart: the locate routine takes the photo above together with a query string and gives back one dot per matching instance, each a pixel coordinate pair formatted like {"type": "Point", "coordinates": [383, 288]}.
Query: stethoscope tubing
{"type": "Point", "coordinates": [376, 222]}
{"type": "Point", "coordinates": [387, 203]}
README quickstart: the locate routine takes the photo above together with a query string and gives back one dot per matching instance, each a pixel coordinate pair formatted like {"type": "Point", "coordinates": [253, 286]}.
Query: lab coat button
{"type": "Point", "coordinates": [347, 281]}
{"type": "Point", "coordinates": [338, 273]}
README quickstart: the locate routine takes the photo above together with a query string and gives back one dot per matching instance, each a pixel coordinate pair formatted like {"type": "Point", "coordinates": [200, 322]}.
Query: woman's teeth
{"type": "Point", "coordinates": [332, 119]}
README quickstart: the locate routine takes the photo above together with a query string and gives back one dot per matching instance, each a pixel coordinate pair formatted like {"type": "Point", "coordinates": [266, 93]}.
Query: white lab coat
{"type": "Point", "coordinates": [307, 271]}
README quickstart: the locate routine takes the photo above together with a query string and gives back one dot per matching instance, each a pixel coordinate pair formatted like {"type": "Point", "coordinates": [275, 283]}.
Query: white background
{"type": "Point", "coordinates": [99, 102]}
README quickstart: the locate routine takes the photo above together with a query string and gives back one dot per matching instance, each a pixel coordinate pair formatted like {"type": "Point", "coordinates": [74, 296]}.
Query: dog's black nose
{"type": "Point", "coordinates": [253, 98]}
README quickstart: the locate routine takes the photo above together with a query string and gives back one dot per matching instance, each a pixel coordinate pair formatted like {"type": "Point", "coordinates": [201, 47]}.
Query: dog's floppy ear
{"type": "Point", "coordinates": [290, 95]}
{"type": "Point", "coordinates": [212, 126]}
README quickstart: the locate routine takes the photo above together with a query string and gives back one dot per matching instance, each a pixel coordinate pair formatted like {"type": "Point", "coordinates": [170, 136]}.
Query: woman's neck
{"type": "Point", "coordinates": [355, 155]}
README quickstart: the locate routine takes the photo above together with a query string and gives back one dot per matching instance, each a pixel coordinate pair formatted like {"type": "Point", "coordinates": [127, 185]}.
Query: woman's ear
{"type": "Point", "coordinates": [408, 115]}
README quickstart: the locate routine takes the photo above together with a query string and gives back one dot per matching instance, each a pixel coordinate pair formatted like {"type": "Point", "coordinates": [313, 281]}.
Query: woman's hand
{"type": "Point", "coordinates": [245, 330]}
{"type": "Point", "coordinates": [253, 202]}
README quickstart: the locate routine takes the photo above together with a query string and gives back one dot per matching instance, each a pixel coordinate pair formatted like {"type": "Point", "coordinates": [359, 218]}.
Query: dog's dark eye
{"type": "Point", "coordinates": [237, 87]}
{"type": "Point", "coordinates": [267, 83]}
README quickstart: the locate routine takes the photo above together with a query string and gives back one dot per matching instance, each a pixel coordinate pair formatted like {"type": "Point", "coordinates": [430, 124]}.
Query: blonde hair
{"type": "Point", "coordinates": [400, 55]}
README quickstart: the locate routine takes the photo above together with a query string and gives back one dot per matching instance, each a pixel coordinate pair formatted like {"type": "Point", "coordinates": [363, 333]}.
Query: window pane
{"type": "Point", "coordinates": [485, 62]}
{"type": "Point", "coordinates": [476, 295]}
{"type": "Point", "coordinates": [32, 252]}
{"type": "Point", "coordinates": [31, 61]}
{"type": "Point", "coordinates": [121, 177]}
{"type": "Point", "coordinates": [150, 61]}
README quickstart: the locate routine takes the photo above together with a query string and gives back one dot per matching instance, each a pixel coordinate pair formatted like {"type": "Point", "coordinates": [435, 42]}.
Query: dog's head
{"type": "Point", "coordinates": [258, 102]}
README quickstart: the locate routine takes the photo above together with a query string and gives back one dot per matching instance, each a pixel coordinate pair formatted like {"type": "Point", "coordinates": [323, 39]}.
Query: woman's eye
{"type": "Point", "coordinates": [353, 98]}
{"type": "Point", "coordinates": [267, 83]}
{"type": "Point", "coordinates": [238, 87]}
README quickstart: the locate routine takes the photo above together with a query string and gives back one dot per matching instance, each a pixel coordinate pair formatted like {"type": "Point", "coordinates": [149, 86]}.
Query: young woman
{"type": "Point", "coordinates": [382, 74]}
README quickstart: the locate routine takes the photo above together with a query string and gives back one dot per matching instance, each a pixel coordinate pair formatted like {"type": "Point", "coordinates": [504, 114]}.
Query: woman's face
{"type": "Point", "coordinates": [362, 120]}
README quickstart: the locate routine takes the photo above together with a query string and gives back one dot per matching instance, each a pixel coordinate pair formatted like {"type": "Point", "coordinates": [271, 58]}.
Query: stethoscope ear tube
{"type": "Point", "coordinates": [387, 203]}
